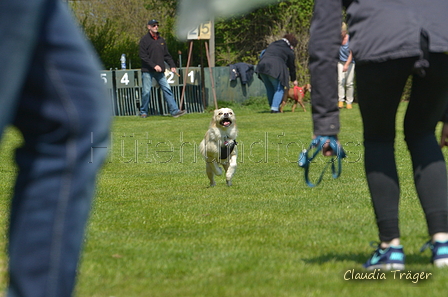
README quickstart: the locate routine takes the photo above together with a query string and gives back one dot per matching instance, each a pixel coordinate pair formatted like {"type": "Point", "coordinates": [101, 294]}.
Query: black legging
{"type": "Point", "coordinates": [379, 88]}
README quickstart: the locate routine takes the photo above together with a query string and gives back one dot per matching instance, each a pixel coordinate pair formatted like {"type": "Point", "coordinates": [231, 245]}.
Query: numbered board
{"type": "Point", "coordinates": [193, 77]}
{"type": "Point", "coordinates": [171, 78]}
{"type": "Point", "coordinates": [203, 31]}
{"type": "Point", "coordinates": [190, 78]}
{"type": "Point", "coordinates": [125, 78]}
{"type": "Point", "coordinates": [106, 78]}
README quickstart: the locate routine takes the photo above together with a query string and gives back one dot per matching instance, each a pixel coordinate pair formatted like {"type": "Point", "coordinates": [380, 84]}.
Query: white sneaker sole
{"type": "Point", "coordinates": [441, 262]}
{"type": "Point", "coordinates": [389, 266]}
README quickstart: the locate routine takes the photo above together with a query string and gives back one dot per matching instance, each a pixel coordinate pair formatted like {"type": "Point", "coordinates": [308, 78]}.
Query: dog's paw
{"type": "Point", "coordinates": [212, 185]}
{"type": "Point", "coordinates": [229, 182]}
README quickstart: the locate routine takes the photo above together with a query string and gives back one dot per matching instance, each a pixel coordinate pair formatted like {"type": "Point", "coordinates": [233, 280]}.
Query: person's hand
{"type": "Point", "coordinates": [296, 83]}
{"type": "Point", "coordinates": [345, 69]}
{"type": "Point", "coordinates": [444, 136]}
{"type": "Point", "coordinates": [173, 70]}
{"type": "Point", "coordinates": [157, 68]}
{"type": "Point", "coordinates": [327, 151]}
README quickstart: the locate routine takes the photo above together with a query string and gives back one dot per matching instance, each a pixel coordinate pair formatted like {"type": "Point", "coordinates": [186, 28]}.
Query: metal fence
{"type": "Point", "coordinates": [124, 88]}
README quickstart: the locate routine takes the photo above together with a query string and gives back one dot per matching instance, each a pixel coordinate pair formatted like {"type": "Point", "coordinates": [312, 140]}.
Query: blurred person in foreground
{"type": "Point", "coordinates": [390, 40]}
{"type": "Point", "coordinates": [50, 89]}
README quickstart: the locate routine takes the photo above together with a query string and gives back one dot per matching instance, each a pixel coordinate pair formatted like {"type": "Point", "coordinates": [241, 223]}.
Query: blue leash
{"type": "Point", "coordinates": [317, 144]}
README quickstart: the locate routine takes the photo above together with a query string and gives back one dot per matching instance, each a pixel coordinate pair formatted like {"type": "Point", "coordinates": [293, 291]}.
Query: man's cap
{"type": "Point", "coordinates": [152, 22]}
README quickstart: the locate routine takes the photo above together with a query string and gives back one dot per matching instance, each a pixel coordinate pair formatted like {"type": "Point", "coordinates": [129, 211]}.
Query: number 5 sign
{"type": "Point", "coordinates": [106, 78]}
{"type": "Point", "coordinates": [202, 32]}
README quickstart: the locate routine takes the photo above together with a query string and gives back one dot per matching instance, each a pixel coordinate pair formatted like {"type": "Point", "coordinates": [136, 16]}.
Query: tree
{"type": "Point", "coordinates": [241, 39]}
{"type": "Point", "coordinates": [116, 26]}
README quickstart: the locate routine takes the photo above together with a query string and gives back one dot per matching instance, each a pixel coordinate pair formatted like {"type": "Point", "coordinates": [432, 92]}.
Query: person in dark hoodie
{"type": "Point", "coordinates": [276, 67]}
{"type": "Point", "coordinates": [390, 40]}
{"type": "Point", "coordinates": [154, 53]}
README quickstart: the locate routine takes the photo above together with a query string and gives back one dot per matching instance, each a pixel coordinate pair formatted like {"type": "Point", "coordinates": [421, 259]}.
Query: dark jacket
{"type": "Point", "coordinates": [278, 61]}
{"type": "Point", "coordinates": [242, 70]}
{"type": "Point", "coordinates": [398, 24]}
{"type": "Point", "coordinates": [380, 30]}
{"type": "Point", "coordinates": [154, 52]}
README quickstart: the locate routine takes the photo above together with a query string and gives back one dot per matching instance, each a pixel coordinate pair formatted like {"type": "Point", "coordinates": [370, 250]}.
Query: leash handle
{"type": "Point", "coordinates": [317, 143]}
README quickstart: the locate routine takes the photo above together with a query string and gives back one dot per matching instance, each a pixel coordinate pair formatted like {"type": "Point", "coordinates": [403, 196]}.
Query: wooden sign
{"type": "Point", "coordinates": [203, 31]}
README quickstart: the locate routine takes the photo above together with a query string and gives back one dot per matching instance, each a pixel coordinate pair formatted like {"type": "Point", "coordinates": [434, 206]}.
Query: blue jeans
{"type": "Point", "coordinates": [51, 91]}
{"type": "Point", "coordinates": [166, 89]}
{"type": "Point", "coordinates": [274, 90]}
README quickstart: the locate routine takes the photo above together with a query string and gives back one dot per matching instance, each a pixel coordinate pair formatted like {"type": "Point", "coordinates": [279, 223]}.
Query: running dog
{"type": "Point", "coordinates": [296, 94]}
{"type": "Point", "coordinates": [219, 145]}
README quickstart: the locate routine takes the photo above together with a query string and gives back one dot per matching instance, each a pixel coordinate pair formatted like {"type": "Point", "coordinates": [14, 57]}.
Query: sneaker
{"type": "Point", "coordinates": [349, 106]}
{"type": "Point", "coordinates": [143, 115]}
{"type": "Point", "coordinates": [179, 113]}
{"type": "Point", "coordinates": [340, 104]}
{"type": "Point", "coordinates": [390, 258]}
{"type": "Point", "coordinates": [439, 252]}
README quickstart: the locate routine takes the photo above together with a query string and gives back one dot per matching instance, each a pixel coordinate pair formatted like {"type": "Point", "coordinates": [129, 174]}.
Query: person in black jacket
{"type": "Point", "coordinates": [276, 66]}
{"type": "Point", "coordinates": [154, 53]}
{"type": "Point", "coordinates": [390, 40]}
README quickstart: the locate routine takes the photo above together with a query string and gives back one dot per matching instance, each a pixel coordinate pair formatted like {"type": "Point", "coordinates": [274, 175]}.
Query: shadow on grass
{"type": "Point", "coordinates": [337, 257]}
{"type": "Point", "coordinates": [361, 258]}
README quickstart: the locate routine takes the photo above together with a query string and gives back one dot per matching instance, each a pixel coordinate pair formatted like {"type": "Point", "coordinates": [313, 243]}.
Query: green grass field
{"type": "Point", "coordinates": [157, 229]}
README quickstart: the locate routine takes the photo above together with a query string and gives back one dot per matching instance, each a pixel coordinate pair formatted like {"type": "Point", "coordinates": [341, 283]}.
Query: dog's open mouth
{"type": "Point", "coordinates": [226, 122]}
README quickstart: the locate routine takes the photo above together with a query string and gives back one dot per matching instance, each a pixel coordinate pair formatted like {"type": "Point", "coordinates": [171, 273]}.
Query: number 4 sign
{"type": "Point", "coordinates": [124, 78]}
{"type": "Point", "coordinates": [201, 32]}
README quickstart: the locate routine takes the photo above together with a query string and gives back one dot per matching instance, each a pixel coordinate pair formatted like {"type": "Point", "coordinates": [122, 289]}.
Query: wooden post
{"type": "Point", "coordinates": [212, 81]}
{"type": "Point", "coordinates": [186, 73]}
